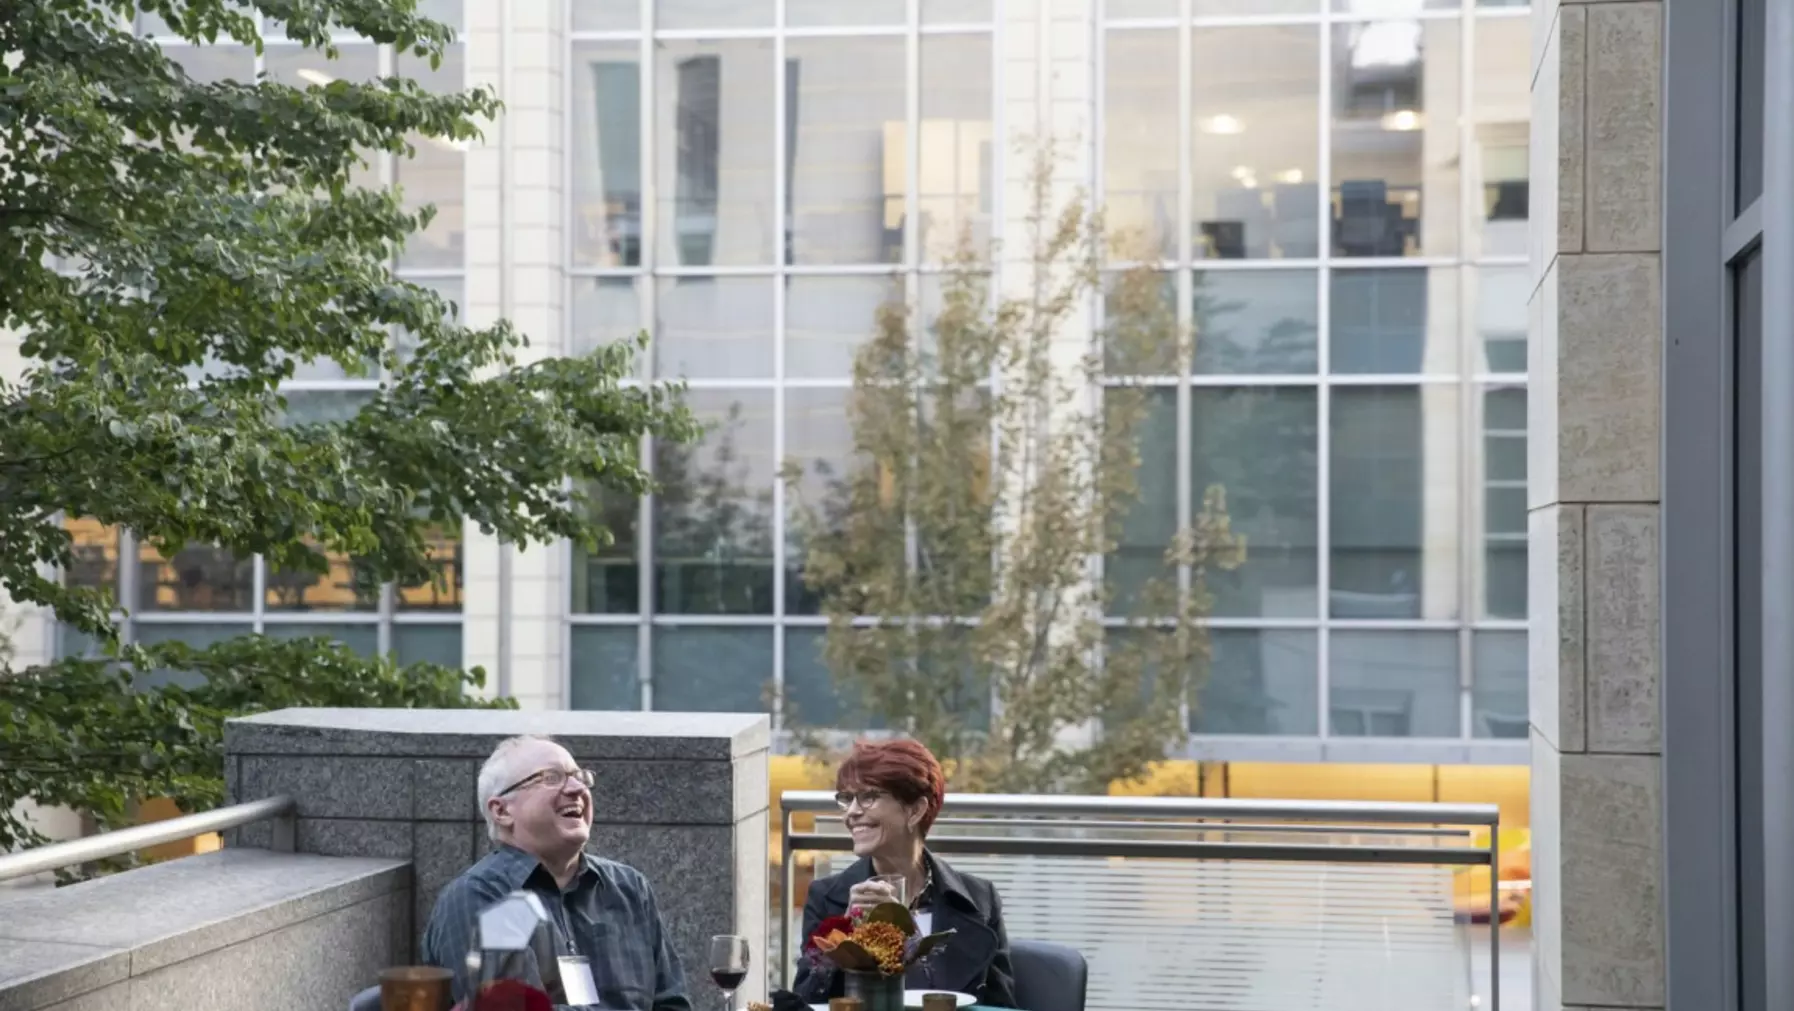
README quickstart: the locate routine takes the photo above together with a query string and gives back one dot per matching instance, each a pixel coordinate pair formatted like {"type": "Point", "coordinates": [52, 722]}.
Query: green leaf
{"type": "Point", "coordinates": [849, 955]}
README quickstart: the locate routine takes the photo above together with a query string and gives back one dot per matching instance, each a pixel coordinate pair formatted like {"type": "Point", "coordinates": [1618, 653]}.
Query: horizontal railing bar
{"type": "Point", "coordinates": [1217, 826]}
{"type": "Point", "coordinates": [1170, 849]}
{"type": "Point", "coordinates": [1383, 812]}
{"type": "Point", "coordinates": [139, 837]}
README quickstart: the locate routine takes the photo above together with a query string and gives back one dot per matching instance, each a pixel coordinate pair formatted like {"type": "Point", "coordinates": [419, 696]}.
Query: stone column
{"type": "Point", "coordinates": [1595, 351]}
{"type": "Point", "coordinates": [682, 797]}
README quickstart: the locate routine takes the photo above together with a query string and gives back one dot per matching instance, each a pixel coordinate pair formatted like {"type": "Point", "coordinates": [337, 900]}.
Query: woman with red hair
{"type": "Point", "coordinates": [890, 793]}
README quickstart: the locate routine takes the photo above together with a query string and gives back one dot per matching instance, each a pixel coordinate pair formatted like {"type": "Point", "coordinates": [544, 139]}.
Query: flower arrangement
{"type": "Point", "coordinates": [883, 939]}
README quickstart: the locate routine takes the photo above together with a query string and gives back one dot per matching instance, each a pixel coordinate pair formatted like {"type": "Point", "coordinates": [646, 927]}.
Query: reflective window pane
{"type": "Point", "coordinates": [1500, 306]}
{"type": "Point", "coordinates": [308, 69]}
{"type": "Point", "coordinates": [955, 148]}
{"type": "Point", "coordinates": [828, 320]}
{"type": "Point", "coordinates": [608, 580]}
{"type": "Point", "coordinates": [1395, 321]}
{"type": "Point", "coordinates": [1395, 138]}
{"type": "Point", "coordinates": [451, 289]}
{"type": "Point", "coordinates": [1150, 520]}
{"type": "Point", "coordinates": [1498, 696]}
{"type": "Point", "coordinates": [714, 151]}
{"type": "Point", "coordinates": [1504, 502]}
{"type": "Point", "coordinates": [713, 516]}
{"type": "Point", "coordinates": [1255, 322]}
{"type": "Point", "coordinates": [1393, 684]}
{"type": "Point", "coordinates": [1396, 515]}
{"type": "Point", "coordinates": [323, 407]}
{"type": "Point", "coordinates": [1255, 149]}
{"type": "Point", "coordinates": [606, 15]}
{"type": "Point", "coordinates": [1259, 446]}
{"type": "Point", "coordinates": [846, 103]}
{"type": "Point", "coordinates": [1259, 682]}
{"type": "Point", "coordinates": [604, 310]}
{"type": "Point", "coordinates": [605, 662]}
{"type": "Point", "coordinates": [1139, 326]}
{"type": "Point", "coordinates": [606, 157]}
{"type": "Point", "coordinates": [1392, 8]}
{"type": "Point", "coordinates": [956, 12]}
{"type": "Point", "coordinates": [1501, 115]}
{"type": "Point", "coordinates": [340, 588]}
{"type": "Point", "coordinates": [709, 670]}
{"type": "Point", "coordinates": [437, 644]}
{"type": "Point", "coordinates": [1139, 157]}
{"type": "Point", "coordinates": [680, 14]}
{"type": "Point", "coordinates": [198, 578]}
{"type": "Point", "coordinates": [433, 176]}
{"type": "Point", "coordinates": [95, 550]}
{"type": "Point", "coordinates": [444, 591]}
{"type": "Point", "coordinates": [810, 13]}
{"type": "Point", "coordinates": [819, 444]}
{"type": "Point", "coordinates": [447, 12]}
{"type": "Point", "coordinates": [198, 636]}
{"type": "Point", "coordinates": [714, 328]}
{"type": "Point", "coordinates": [362, 638]}
{"type": "Point", "coordinates": [813, 698]}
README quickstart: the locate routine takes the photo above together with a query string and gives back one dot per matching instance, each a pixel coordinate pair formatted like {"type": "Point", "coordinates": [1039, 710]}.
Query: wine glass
{"type": "Point", "coordinates": [728, 965]}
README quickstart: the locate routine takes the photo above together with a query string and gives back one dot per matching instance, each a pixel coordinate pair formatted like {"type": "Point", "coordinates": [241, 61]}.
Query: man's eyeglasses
{"type": "Point", "coordinates": [554, 779]}
{"type": "Point", "coordinates": [866, 798]}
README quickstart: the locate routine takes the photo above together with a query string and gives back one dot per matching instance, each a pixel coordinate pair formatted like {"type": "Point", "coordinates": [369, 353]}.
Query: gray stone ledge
{"type": "Point", "coordinates": [472, 733]}
{"type": "Point", "coordinates": [59, 944]}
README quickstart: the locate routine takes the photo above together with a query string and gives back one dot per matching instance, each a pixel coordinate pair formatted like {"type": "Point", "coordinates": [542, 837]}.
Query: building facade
{"type": "Point", "coordinates": [1338, 197]}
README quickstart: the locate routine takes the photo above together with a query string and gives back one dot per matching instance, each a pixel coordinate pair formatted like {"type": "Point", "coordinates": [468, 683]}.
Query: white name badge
{"type": "Point", "coordinates": [576, 980]}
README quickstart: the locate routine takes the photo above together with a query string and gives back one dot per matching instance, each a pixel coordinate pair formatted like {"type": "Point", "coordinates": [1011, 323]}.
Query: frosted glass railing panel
{"type": "Point", "coordinates": [1239, 935]}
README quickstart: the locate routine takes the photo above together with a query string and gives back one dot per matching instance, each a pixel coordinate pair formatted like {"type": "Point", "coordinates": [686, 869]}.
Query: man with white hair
{"type": "Point", "coordinates": [538, 809]}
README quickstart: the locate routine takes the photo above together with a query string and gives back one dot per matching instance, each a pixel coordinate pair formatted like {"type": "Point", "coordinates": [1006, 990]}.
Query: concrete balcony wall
{"type": "Point", "coordinates": [682, 797]}
{"type": "Point", "coordinates": [232, 929]}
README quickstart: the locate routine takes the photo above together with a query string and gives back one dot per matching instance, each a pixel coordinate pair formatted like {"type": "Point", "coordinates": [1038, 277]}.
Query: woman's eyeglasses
{"type": "Point", "coordinates": [865, 798]}
{"type": "Point", "coordinates": [554, 779]}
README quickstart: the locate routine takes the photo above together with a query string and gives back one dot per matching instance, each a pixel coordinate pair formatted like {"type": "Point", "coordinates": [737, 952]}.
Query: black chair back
{"type": "Point", "coordinates": [1048, 977]}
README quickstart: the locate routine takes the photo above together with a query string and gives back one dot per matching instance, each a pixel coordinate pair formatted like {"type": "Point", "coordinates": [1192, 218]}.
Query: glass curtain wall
{"type": "Point", "coordinates": [751, 181]}
{"type": "Point", "coordinates": [1342, 222]}
{"type": "Point", "coordinates": [204, 595]}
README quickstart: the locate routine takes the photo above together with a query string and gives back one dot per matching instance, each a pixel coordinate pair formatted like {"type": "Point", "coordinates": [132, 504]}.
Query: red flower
{"type": "Point", "coordinates": [510, 995]}
{"type": "Point", "coordinates": [828, 926]}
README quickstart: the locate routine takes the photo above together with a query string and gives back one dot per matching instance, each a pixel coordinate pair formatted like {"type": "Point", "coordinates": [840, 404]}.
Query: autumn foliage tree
{"type": "Point", "coordinates": [957, 554]}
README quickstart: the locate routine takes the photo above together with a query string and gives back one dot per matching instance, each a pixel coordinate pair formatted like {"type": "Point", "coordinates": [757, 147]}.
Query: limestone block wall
{"type": "Point", "coordinates": [1594, 484]}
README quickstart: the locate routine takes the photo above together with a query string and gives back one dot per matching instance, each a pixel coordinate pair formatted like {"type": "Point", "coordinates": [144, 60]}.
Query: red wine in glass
{"type": "Point", "coordinates": [728, 965]}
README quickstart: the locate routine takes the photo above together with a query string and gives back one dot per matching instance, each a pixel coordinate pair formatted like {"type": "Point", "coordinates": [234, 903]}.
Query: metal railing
{"type": "Point", "coordinates": [138, 837]}
{"type": "Point", "coordinates": [1093, 827]}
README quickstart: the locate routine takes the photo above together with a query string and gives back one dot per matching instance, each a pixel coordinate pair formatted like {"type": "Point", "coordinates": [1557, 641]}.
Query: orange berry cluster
{"type": "Point", "coordinates": [884, 941]}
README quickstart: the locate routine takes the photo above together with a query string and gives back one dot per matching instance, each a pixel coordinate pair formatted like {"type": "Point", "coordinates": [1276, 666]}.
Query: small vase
{"type": "Point", "coordinates": [875, 990]}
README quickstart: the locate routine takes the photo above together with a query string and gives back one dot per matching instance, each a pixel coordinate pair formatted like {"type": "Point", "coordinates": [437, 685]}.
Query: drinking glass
{"type": "Point", "coordinates": [899, 884]}
{"type": "Point", "coordinates": [728, 965]}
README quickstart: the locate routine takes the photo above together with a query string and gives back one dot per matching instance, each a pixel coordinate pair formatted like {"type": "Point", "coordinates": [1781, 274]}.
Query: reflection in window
{"type": "Point", "coordinates": [1395, 321]}
{"type": "Point", "coordinates": [443, 591]}
{"type": "Point", "coordinates": [343, 586]}
{"type": "Point", "coordinates": [684, 14]}
{"type": "Point", "coordinates": [1395, 517]}
{"type": "Point", "coordinates": [607, 154]}
{"type": "Point", "coordinates": [1255, 153]}
{"type": "Point", "coordinates": [714, 328]}
{"type": "Point", "coordinates": [1140, 178]}
{"type": "Point", "coordinates": [198, 578]}
{"type": "Point", "coordinates": [1259, 682]}
{"type": "Point", "coordinates": [94, 547]}
{"type": "Point", "coordinates": [1498, 697]}
{"type": "Point", "coordinates": [812, 696]}
{"type": "Point", "coordinates": [1151, 519]}
{"type": "Point", "coordinates": [437, 643]}
{"type": "Point", "coordinates": [197, 635]}
{"type": "Point", "coordinates": [1504, 502]}
{"type": "Point", "coordinates": [1255, 322]}
{"type": "Point", "coordinates": [1395, 138]}
{"type": "Point", "coordinates": [846, 108]}
{"type": "Point", "coordinates": [819, 443]}
{"type": "Point", "coordinates": [1500, 307]}
{"type": "Point", "coordinates": [954, 149]}
{"type": "Point", "coordinates": [713, 520]}
{"type": "Point", "coordinates": [433, 176]}
{"type": "Point", "coordinates": [714, 148]}
{"type": "Point", "coordinates": [362, 638]}
{"type": "Point", "coordinates": [1501, 115]}
{"type": "Point", "coordinates": [604, 310]}
{"type": "Point", "coordinates": [606, 665]}
{"type": "Point", "coordinates": [828, 320]}
{"type": "Point", "coordinates": [1393, 684]}
{"type": "Point", "coordinates": [709, 670]}
{"type": "Point", "coordinates": [608, 580]}
{"type": "Point", "coordinates": [1259, 444]}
